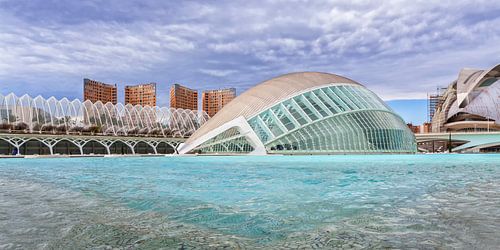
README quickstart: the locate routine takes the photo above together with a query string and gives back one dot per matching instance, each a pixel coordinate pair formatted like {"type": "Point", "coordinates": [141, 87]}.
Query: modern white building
{"type": "Point", "coordinates": [303, 113]}
{"type": "Point", "coordinates": [471, 103]}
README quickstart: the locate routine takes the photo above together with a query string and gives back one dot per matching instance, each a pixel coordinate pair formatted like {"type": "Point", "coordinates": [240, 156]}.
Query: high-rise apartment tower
{"type": "Point", "coordinates": [99, 91]}
{"type": "Point", "coordinates": [215, 100]}
{"type": "Point", "coordinates": [141, 94]}
{"type": "Point", "coordinates": [183, 97]}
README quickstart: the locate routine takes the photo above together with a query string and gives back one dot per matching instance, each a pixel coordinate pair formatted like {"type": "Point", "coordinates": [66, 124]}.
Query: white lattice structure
{"type": "Point", "coordinates": [51, 116]}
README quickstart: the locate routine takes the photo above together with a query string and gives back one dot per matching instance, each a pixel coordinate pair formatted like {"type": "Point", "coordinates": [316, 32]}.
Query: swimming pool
{"type": "Point", "coordinates": [425, 201]}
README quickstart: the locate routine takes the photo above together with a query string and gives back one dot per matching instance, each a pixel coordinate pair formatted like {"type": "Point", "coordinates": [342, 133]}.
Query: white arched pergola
{"type": "Point", "coordinates": [51, 116]}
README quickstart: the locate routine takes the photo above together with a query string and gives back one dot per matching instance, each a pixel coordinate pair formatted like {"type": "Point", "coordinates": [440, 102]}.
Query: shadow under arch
{"type": "Point", "coordinates": [94, 147]}
{"type": "Point", "coordinates": [143, 148]}
{"type": "Point", "coordinates": [6, 148]}
{"type": "Point", "coordinates": [34, 147]}
{"type": "Point", "coordinates": [66, 147]}
{"type": "Point", "coordinates": [120, 148]}
{"type": "Point", "coordinates": [165, 148]}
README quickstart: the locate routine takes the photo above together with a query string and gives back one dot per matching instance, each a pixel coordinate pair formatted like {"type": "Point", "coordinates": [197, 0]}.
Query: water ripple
{"type": "Point", "coordinates": [445, 202]}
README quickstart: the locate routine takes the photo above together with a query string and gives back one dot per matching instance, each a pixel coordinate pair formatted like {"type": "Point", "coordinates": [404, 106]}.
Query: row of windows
{"type": "Point", "coordinates": [311, 106]}
{"type": "Point", "coordinates": [232, 145]}
{"type": "Point", "coordinates": [365, 131]}
{"type": "Point", "coordinates": [232, 132]}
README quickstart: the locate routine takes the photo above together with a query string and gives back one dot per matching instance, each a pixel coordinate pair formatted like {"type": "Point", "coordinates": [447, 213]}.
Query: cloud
{"type": "Point", "coordinates": [400, 49]}
{"type": "Point", "coordinates": [217, 72]}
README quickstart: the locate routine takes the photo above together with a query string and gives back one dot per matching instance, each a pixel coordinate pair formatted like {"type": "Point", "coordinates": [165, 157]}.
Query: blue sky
{"type": "Point", "coordinates": [401, 50]}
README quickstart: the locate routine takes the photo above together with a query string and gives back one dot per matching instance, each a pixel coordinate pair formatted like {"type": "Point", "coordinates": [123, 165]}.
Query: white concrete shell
{"type": "Point", "coordinates": [469, 80]}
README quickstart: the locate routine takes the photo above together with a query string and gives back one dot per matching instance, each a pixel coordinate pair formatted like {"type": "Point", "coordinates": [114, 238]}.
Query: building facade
{"type": "Point", "coordinates": [304, 113]}
{"type": "Point", "coordinates": [471, 103]}
{"type": "Point", "coordinates": [142, 94]}
{"type": "Point", "coordinates": [425, 128]}
{"type": "Point", "coordinates": [414, 128]}
{"type": "Point", "coordinates": [99, 91]}
{"type": "Point", "coordinates": [182, 97]}
{"type": "Point", "coordinates": [215, 100]}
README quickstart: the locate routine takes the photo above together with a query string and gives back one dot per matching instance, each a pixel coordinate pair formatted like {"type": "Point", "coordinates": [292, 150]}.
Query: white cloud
{"type": "Point", "coordinates": [217, 72]}
{"type": "Point", "coordinates": [398, 48]}
{"type": "Point", "coordinates": [92, 46]}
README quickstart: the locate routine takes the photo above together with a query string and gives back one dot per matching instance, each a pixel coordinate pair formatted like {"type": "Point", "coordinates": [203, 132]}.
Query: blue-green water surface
{"type": "Point", "coordinates": [390, 201]}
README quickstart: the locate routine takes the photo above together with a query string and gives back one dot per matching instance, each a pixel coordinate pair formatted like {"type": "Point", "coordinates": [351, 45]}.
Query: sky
{"type": "Point", "coordinates": [401, 50]}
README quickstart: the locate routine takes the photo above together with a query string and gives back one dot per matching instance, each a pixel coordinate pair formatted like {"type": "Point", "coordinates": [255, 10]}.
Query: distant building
{"type": "Point", "coordinates": [215, 100]}
{"type": "Point", "coordinates": [183, 97]}
{"type": "Point", "coordinates": [420, 129]}
{"type": "Point", "coordinates": [99, 91]}
{"type": "Point", "coordinates": [142, 94]}
{"type": "Point", "coordinates": [471, 103]}
{"type": "Point", "coordinates": [434, 101]}
{"type": "Point", "coordinates": [413, 128]}
{"type": "Point", "coordinates": [426, 128]}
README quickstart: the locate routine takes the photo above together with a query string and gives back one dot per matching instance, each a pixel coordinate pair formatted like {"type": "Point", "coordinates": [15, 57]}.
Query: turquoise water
{"type": "Point", "coordinates": [395, 201]}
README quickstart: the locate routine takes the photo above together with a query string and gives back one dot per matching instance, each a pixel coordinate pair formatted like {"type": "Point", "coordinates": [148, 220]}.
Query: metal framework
{"type": "Point", "coordinates": [51, 116]}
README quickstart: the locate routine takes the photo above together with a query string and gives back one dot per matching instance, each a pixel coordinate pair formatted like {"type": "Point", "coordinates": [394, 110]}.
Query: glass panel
{"type": "Point", "coordinates": [340, 104]}
{"type": "Point", "coordinates": [294, 112]}
{"type": "Point", "coordinates": [315, 102]}
{"type": "Point", "coordinates": [326, 101]}
{"type": "Point", "coordinates": [304, 107]}
{"type": "Point", "coordinates": [342, 93]}
{"type": "Point", "coordinates": [268, 119]}
{"type": "Point", "coordinates": [261, 132]}
{"type": "Point", "coordinates": [283, 117]}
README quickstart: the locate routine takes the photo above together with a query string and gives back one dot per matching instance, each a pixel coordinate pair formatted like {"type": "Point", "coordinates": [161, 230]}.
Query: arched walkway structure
{"type": "Point", "coordinates": [32, 144]}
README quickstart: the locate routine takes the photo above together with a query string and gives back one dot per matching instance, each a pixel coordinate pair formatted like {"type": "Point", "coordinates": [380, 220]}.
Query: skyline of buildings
{"type": "Point", "coordinates": [214, 100]}
{"type": "Point", "coordinates": [296, 113]}
{"type": "Point", "coordinates": [145, 94]}
{"type": "Point", "coordinates": [141, 94]}
{"type": "Point", "coordinates": [211, 100]}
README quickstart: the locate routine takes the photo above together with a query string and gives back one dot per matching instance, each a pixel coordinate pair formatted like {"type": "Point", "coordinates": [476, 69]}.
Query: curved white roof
{"type": "Point", "coordinates": [470, 79]}
{"type": "Point", "coordinates": [268, 93]}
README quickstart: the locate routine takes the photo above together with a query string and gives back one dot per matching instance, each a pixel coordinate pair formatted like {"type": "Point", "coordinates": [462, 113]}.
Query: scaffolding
{"type": "Point", "coordinates": [434, 101]}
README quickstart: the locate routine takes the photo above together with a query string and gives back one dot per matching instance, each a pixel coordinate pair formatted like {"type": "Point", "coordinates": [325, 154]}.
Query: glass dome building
{"type": "Point", "coordinates": [304, 113]}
